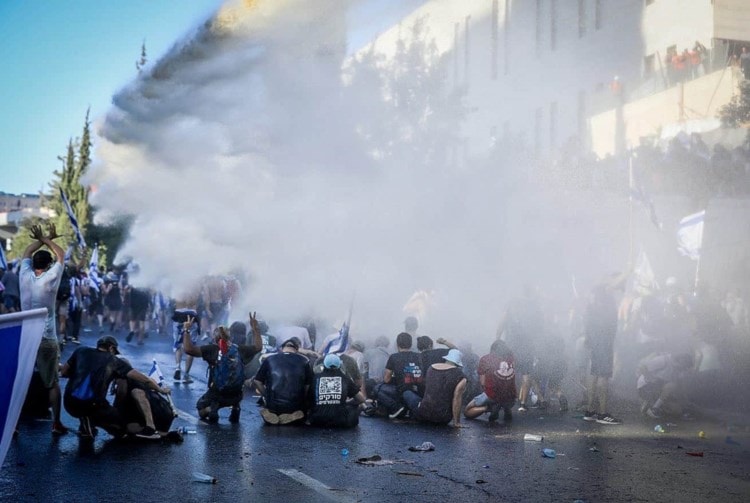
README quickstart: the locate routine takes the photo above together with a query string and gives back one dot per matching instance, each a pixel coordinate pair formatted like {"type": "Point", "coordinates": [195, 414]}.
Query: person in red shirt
{"type": "Point", "coordinates": [497, 376]}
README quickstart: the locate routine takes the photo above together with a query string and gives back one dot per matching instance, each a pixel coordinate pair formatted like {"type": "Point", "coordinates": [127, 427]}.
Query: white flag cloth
{"type": "Point", "coordinates": [20, 335]}
{"type": "Point", "coordinates": [73, 220]}
{"type": "Point", "coordinates": [690, 235]}
{"type": "Point", "coordinates": [3, 260]}
{"type": "Point", "coordinates": [155, 373]}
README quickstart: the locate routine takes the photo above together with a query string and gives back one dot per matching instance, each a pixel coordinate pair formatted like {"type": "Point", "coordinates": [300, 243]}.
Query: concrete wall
{"type": "Point", "coordinates": [519, 81]}
{"type": "Point", "coordinates": [695, 100]}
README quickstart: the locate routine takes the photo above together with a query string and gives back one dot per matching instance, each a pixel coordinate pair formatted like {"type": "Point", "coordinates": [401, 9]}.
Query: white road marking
{"type": "Point", "coordinates": [317, 486]}
{"type": "Point", "coordinates": [186, 416]}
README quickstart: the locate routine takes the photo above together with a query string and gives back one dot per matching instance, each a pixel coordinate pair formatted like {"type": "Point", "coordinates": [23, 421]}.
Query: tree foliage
{"type": "Point", "coordinates": [736, 113]}
{"type": "Point", "coordinates": [415, 115]}
{"type": "Point", "coordinates": [74, 165]}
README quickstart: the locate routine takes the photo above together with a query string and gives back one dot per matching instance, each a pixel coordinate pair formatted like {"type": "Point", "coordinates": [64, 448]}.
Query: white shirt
{"type": "Point", "coordinates": [41, 291]}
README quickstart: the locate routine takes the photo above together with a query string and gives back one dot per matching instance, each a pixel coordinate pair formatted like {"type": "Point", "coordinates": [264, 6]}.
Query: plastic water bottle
{"type": "Point", "coordinates": [185, 431]}
{"type": "Point", "coordinates": [658, 428]}
{"type": "Point", "coordinates": [203, 478]}
{"type": "Point", "coordinates": [533, 438]}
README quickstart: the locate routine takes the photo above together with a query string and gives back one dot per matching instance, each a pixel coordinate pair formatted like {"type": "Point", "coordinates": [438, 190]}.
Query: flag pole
{"type": "Point", "coordinates": [631, 227]}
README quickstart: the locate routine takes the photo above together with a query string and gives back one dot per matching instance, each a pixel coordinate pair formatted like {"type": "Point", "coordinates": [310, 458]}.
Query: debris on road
{"type": "Point", "coordinates": [423, 447]}
{"type": "Point", "coordinates": [549, 453]}
{"type": "Point", "coordinates": [533, 438]}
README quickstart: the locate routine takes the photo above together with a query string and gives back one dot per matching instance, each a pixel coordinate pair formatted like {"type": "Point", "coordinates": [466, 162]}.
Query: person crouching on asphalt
{"type": "Point", "coordinates": [331, 390]}
{"type": "Point", "coordinates": [90, 372]}
{"type": "Point", "coordinates": [226, 366]}
{"type": "Point", "coordinates": [284, 380]}
{"type": "Point", "coordinates": [497, 377]}
{"type": "Point", "coordinates": [445, 384]}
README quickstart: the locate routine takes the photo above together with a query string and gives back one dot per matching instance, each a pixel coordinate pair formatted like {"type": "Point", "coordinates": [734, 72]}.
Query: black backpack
{"type": "Point", "coordinates": [64, 291]}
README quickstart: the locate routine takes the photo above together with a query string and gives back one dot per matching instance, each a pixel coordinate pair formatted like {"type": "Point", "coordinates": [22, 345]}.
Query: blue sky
{"type": "Point", "coordinates": [61, 57]}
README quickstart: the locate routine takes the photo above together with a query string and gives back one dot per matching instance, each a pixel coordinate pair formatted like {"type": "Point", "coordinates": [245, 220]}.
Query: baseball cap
{"type": "Point", "coordinates": [332, 361]}
{"type": "Point", "coordinates": [106, 342]}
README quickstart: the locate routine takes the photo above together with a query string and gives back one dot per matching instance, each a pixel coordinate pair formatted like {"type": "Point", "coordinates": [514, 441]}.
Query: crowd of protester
{"type": "Point", "coordinates": [675, 351]}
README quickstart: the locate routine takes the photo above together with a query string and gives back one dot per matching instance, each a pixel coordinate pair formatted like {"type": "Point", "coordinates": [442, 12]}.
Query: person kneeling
{"type": "Point", "coordinates": [330, 391]}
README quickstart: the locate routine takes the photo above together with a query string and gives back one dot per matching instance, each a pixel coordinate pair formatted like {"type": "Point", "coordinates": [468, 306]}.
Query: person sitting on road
{"type": "Point", "coordinates": [283, 380]}
{"type": "Point", "coordinates": [375, 360]}
{"type": "Point", "coordinates": [497, 376]}
{"type": "Point", "coordinates": [331, 391]}
{"type": "Point", "coordinates": [428, 354]}
{"type": "Point", "coordinates": [403, 372]}
{"type": "Point", "coordinates": [659, 384]}
{"type": "Point", "coordinates": [90, 372]}
{"type": "Point", "coordinates": [445, 384]}
{"type": "Point", "coordinates": [226, 364]}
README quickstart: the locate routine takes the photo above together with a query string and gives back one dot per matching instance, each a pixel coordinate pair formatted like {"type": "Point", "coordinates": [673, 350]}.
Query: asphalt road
{"type": "Point", "coordinates": [483, 462]}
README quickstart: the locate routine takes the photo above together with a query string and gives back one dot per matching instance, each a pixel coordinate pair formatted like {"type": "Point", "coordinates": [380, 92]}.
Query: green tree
{"type": "Point", "coordinates": [736, 113]}
{"type": "Point", "coordinates": [413, 114]}
{"type": "Point", "coordinates": [74, 165]}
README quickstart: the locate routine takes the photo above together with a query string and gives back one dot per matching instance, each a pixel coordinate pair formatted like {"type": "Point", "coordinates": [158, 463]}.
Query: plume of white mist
{"type": "Point", "coordinates": [241, 150]}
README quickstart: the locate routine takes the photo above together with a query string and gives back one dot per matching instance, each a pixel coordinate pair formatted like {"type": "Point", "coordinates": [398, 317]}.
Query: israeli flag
{"type": "Point", "coordinates": [73, 219]}
{"type": "Point", "coordinates": [3, 260]}
{"type": "Point", "coordinates": [155, 373]}
{"type": "Point", "coordinates": [20, 335]}
{"type": "Point", "coordinates": [68, 254]}
{"type": "Point", "coordinates": [338, 342]}
{"type": "Point", "coordinates": [644, 280]}
{"type": "Point", "coordinates": [690, 235]}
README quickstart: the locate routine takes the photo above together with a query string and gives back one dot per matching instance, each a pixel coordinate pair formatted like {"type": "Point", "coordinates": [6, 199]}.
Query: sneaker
{"type": "Point", "coordinates": [86, 430]}
{"type": "Point", "coordinates": [290, 418]}
{"type": "Point", "coordinates": [130, 336]}
{"type": "Point", "coordinates": [590, 416]}
{"type": "Point", "coordinates": [177, 375]}
{"type": "Point", "coordinates": [653, 413]}
{"type": "Point", "coordinates": [148, 433]}
{"type": "Point", "coordinates": [59, 429]}
{"type": "Point", "coordinates": [563, 404]}
{"type": "Point", "coordinates": [607, 419]}
{"type": "Point", "coordinates": [187, 379]}
{"type": "Point", "coordinates": [494, 413]}
{"type": "Point", "coordinates": [234, 416]}
{"type": "Point", "coordinates": [522, 408]}
{"type": "Point", "coordinates": [269, 417]}
{"type": "Point", "coordinates": [397, 413]}
{"type": "Point", "coordinates": [75, 340]}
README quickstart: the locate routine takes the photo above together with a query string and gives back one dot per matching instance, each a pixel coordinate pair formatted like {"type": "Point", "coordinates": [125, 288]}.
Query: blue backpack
{"type": "Point", "coordinates": [229, 372]}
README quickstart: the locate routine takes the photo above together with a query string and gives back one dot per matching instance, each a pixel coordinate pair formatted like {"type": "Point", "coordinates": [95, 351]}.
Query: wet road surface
{"type": "Point", "coordinates": [483, 462]}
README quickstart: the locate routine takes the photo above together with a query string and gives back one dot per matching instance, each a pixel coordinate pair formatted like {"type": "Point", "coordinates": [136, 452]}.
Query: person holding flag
{"type": "Point", "coordinates": [39, 280]}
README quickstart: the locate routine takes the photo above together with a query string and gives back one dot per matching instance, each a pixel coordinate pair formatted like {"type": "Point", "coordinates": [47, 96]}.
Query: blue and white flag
{"type": "Point", "coordinates": [337, 342]}
{"type": "Point", "coordinates": [690, 235]}
{"type": "Point", "coordinates": [68, 254]}
{"type": "Point", "coordinates": [73, 220]}
{"type": "Point", "coordinates": [96, 281]}
{"type": "Point", "coordinates": [3, 260]}
{"type": "Point", "coordinates": [20, 335]}
{"type": "Point", "coordinates": [155, 374]}
{"type": "Point", "coordinates": [639, 194]}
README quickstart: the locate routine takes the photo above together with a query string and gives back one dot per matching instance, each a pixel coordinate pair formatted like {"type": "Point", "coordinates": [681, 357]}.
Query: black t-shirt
{"type": "Point", "coordinates": [139, 299]}
{"type": "Point", "coordinates": [433, 356]}
{"type": "Point", "coordinates": [331, 388]}
{"type": "Point", "coordinates": [285, 376]}
{"type": "Point", "coordinates": [99, 367]}
{"type": "Point", "coordinates": [407, 370]}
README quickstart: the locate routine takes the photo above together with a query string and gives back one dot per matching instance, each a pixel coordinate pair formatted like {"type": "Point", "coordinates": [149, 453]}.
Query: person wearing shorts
{"type": "Point", "coordinates": [183, 310]}
{"type": "Point", "coordinates": [39, 279]}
